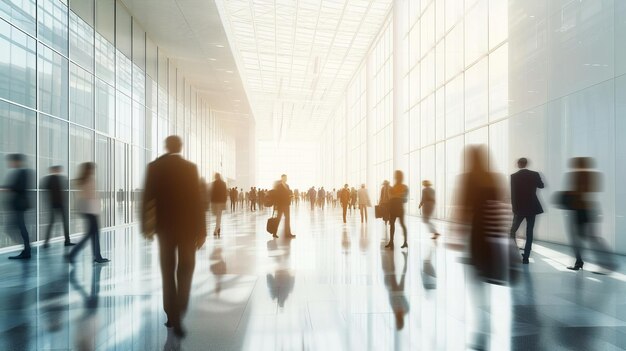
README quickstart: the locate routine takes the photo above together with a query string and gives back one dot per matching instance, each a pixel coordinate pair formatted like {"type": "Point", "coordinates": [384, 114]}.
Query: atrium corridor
{"type": "Point", "coordinates": [333, 287]}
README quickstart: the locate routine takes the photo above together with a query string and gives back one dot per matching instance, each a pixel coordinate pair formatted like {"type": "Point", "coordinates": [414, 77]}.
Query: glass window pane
{"type": "Point", "coordinates": [139, 84]}
{"type": "Point", "coordinates": [454, 107]}
{"type": "Point", "coordinates": [52, 24]}
{"type": "Point", "coordinates": [139, 46]}
{"type": "Point", "coordinates": [105, 19]}
{"type": "Point", "coordinates": [105, 59]}
{"type": "Point", "coordinates": [81, 150]}
{"type": "Point", "coordinates": [476, 95]}
{"type": "Point", "coordinates": [123, 38]}
{"type": "Point", "coordinates": [84, 9]}
{"type": "Point", "coordinates": [17, 66]}
{"type": "Point", "coordinates": [124, 76]}
{"type": "Point", "coordinates": [139, 124]}
{"type": "Point", "coordinates": [20, 13]}
{"type": "Point", "coordinates": [81, 96]}
{"type": "Point", "coordinates": [123, 117]}
{"type": "Point", "coordinates": [53, 82]}
{"type": "Point", "coordinates": [81, 42]}
{"type": "Point", "coordinates": [105, 107]}
{"type": "Point", "coordinates": [454, 52]}
{"type": "Point", "coordinates": [476, 32]}
{"type": "Point", "coordinates": [499, 83]}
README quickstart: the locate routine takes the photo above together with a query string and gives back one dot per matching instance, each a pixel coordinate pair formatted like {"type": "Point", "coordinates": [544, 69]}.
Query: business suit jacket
{"type": "Point", "coordinates": [524, 185]}
{"type": "Point", "coordinates": [173, 185]}
{"type": "Point", "coordinates": [18, 186]}
{"type": "Point", "coordinates": [283, 195]}
{"type": "Point", "coordinates": [56, 185]}
{"type": "Point", "coordinates": [218, 192]}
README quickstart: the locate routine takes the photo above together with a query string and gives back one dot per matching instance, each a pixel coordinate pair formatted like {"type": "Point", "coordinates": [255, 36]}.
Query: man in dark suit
{"type": "Point", "coordinates": [526, 205]}
{"type": "Point", "coordinates": [173, 191]}
{"type": "Point", "coordinates": [282, 202]}
{"type": "Point", "coordinates": [19, 182]}
{"type": "Point", "coordinates": [56, 186]}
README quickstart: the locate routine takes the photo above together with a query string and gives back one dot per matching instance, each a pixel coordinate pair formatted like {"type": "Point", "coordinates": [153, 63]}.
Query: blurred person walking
{"type": "Point", "coordinates": [172, 193]}
{"type": "Point", "coordinates": [56, 185]}
{"type": "Point", "coordinates": [383, 201]}
{"type": "Point", "coordinates": [583, 183]}
{"type": "Point", "coordinates": [17, 185]}
{"type": "Point", "coordinates": [398, 195]}
{"type": "Point", "coordinates": [312, 195]}
{"type": "Point", "coordinates": [218, 202]}
{"type": "Point", "coordinates": [364, 202]}
{"type": "Point", "coordinates": [427, 205]}
{"type": "Point", "coordinates": [525, 204]}
{"type": "Point", "coordinates": [282, 201]}
{"type": "Point", "coordinates": [89, 207]}
{"type": "Point", "coordinates": [344, 200]}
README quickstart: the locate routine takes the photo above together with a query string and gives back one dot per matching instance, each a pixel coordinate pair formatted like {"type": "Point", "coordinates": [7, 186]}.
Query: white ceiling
{"type": "Point", "coordinates": [191, 32]}
{"type": "Point", "coordinates": [296, 57]}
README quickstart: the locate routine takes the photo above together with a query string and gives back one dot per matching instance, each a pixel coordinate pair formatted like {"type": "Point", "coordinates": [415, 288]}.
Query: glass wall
{"type": "Point", "coordinates": [87, 84]}
{"type": "Point", "coordinates": [529, 78]}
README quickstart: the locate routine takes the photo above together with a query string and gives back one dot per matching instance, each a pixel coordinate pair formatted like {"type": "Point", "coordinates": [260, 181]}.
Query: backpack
{"type": "Point", "coordinates": [268, 199]}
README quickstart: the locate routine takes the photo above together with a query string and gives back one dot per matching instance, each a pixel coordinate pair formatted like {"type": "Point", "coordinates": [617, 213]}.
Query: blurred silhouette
{"type": "Point", "coordinates": [321, 197]}
{"type": "Point", "coordinates": [312, 195]}
{"type": "Point", "coordinates": [582, 183]}
{"type": "Point", "coordinates": [282, 202]}
{"type": "Point", "coordinates": [234, 196]}
{"type": "Point", "coordinates": [526, 205]}
{"type": "Point", "coordinates": [480, 201]}
{"type": "Point", "coordinates": [364, 202]}
{"type": "Point", "coordinates": [17, 184]}
{"type": "Point", "coordinates": [382, 210]}
{"type": "Point", "coordinates": [397, 198]}
{"type": "Point", "coordinates": [282, 282]}
{"type": "Point", "coordinates": [252, 197]}
{"type": "Point", "coordinates": [204, 194]}
{"type": "Point", "coordinates": [296, 197]}
{"type": "Point", "coordinates": [395, 288]}
{"type": "Point", "coordinates": [344, 199]}
{"type": "Point", "coordinates": [427, 205]}
{"type": "Point", "coordinates": [172, 184]}
{"type": "Point", "coordinates": [86, 339]}
{"type": "Point", "coordinates": [218, 202]}
{"type": "Point", "coordinates": [89, 207]}
{"type": "Point", "coordinates": [353, 199]}
{"type": "Point", "coordinates": [56, 186]}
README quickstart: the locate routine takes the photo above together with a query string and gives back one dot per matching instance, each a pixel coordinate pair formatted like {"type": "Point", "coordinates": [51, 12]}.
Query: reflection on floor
{"type": "Point", "coordinates": [331, 288]}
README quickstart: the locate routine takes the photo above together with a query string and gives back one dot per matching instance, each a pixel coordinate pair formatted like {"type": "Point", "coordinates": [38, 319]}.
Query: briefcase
{"type": "Point", "coordinates": [381, 211]}
{"type": "Point", "coordinates": [272, 225]}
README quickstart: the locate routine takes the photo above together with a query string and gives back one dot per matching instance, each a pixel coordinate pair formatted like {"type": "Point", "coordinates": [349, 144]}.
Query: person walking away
{"type": "Point", "coordinates": [218, 202]}
{"type": "Point", "coordinates": [344, 199]}
{"type": "Point", "coordinates": [525, 204]}
{"type": "Point", "coordinates": [172, 189]}
{"type": "Point", "coordinates": [364, 202]}
{"type": "Point", "coordinates": [383, 200]}
{"type": "Point", "coordinates": [282, 201]}
{"type": "Point", "coordinates": [56, 186]}
{"type": "Point", "coordinates": [427, 205]}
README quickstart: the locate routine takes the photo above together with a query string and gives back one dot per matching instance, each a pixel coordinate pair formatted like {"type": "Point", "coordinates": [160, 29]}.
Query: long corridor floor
{"type": "Point", "coordinates": [334, 287]}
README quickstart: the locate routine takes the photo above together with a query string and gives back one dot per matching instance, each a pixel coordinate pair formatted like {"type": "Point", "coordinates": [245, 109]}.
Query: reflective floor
{"type": "Point", "coordinates": [331, 288]}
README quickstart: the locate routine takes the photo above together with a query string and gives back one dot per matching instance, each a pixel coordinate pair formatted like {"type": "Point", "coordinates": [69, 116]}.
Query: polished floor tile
{"type": "Point", "coordinates": [334, 287]}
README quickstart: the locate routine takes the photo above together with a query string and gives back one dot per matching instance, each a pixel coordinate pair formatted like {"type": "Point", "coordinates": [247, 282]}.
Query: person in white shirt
{"type": "Point", "coordinates": [89, 206]}
{"type": "Point", "coordinates": [364, 202]}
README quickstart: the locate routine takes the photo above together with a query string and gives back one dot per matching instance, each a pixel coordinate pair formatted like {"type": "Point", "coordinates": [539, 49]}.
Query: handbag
{"type": "Point", "coordinates": [272, 224]}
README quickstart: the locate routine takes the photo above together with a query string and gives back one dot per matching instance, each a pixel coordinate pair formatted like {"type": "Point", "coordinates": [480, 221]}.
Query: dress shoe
{"type": "Point", "coordinates": [525, 261]}
{"type": "Point", "coordinates": [576, 267]}
{"type": "Point", "coordinates": [291, 236]}
{"type": "Point", "coordinates": [389, 246]}
{"type": "Point", "coordinates": [69, 259]}
{"type": "Point", "coordinates": [68, 243]}
{"type": "Point", "coordinates": [405, 245]}
{"type": "Point", "coordinates": [22, 256]}
{"type": "Point", "coordinates": [179, 331]}
{"type": "Point", "coordinates": [46, 245]}
{"type": "Point", "coordinates": [435, 236]}
{"type": "Point", "coordinates": [101, 260]}
{"type": "Point", "coordinates": [275, 236]}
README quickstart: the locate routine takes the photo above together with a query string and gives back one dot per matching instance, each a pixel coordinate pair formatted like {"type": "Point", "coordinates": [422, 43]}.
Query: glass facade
{"type": "Point", "coordinates": [528, 78]}
{"type": "Point", "coordinates": [69, 95]}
